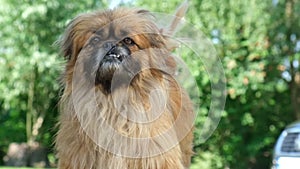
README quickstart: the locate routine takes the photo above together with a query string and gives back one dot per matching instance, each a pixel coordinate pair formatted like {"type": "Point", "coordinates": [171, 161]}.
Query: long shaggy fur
{"type": "Point", "coordinates": [83, 141]}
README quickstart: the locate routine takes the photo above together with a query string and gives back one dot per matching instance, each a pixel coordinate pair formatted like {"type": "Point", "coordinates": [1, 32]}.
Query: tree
{"type": "Point", "coordinates": [30, 66]}
{"type": "Point", "coordinates": [286, 46]}
{"type": "Point", "coordinates": [259, 49]}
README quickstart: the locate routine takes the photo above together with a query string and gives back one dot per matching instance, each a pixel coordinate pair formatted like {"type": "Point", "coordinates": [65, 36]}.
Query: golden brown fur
{"type": "Point", "coordinates": [83, 141]}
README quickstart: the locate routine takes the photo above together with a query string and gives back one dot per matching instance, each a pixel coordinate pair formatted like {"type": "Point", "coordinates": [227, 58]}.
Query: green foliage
{"type": "Point", "coordinates": [30, 66]}
{"type": "Point", "coordinates": [255, 40]}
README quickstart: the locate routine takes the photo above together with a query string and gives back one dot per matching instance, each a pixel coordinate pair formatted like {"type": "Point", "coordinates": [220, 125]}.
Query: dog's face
{"type": "Point", "coordinates": [122, 44]}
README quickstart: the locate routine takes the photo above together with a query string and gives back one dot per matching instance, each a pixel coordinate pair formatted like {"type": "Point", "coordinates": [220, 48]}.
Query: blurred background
{"type": "Point", "coordinates": [257, 41]}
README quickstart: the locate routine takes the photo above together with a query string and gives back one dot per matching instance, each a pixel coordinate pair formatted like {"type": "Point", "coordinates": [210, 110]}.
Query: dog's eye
{"type": "Point", "coordinates": [128, 41]}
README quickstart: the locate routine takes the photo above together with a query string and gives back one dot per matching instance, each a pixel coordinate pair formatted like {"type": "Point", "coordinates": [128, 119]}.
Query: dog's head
{"type": "Point", "coordinates": [121, 44]}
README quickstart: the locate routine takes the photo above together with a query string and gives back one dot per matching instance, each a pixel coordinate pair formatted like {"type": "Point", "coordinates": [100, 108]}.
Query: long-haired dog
{"type": "Point", "coordinates": [121, 107]}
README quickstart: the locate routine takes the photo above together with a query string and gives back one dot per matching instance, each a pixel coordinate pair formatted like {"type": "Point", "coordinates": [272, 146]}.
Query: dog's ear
{"type": "Point", "coordinates": [66, 41]}
{"type": "Point", "coordinates": [74, 38]}
{"type": "Point", "coordinates": [143, 11]}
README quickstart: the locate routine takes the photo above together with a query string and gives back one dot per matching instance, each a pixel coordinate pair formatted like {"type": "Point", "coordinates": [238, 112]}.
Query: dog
{"type": "Point", "coordinates": [121, 107]}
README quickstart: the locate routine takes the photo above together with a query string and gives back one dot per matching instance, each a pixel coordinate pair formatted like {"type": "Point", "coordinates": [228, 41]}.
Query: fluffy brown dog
{"type": "Point", "coordinates": [121, 107]}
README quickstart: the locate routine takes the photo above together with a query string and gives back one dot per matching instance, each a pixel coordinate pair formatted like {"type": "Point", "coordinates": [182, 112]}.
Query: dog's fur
{"type": "Point", "coordinates": [143, 85]}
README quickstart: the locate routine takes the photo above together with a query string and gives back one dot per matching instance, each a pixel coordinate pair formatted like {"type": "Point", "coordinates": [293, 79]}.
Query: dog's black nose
{"type": "Point", "coordinates": [115, 51]}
